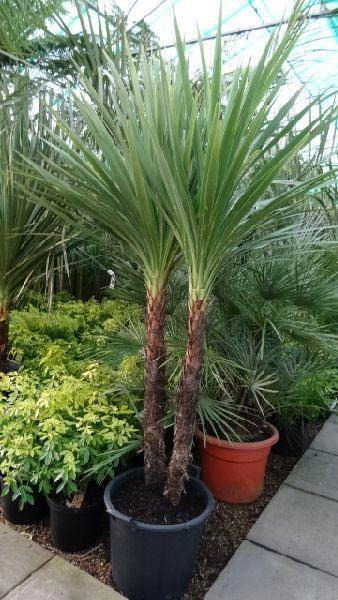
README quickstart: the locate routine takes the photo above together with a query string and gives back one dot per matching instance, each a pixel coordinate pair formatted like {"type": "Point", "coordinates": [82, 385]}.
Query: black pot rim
{"type": "Point", "coordinates": [116, 514]}
{"type": "Point", "coordinates": [63, 508]}
{"type": "Point", "coordinates": [12, 365]}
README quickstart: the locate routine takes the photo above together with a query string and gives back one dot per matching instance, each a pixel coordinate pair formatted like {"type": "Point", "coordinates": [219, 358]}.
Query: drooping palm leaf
{"type": "Point", "coordinates": [28, 232]}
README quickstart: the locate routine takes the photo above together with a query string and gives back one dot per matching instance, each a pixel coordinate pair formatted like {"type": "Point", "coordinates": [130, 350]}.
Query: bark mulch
{"type": "Point", "coordinates": [224, 531]}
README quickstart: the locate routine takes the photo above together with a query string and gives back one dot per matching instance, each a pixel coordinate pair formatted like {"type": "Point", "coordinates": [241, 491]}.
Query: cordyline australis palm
{"type": "Point", "coordinates": [28, 233]}
{"type": "Point", "coordinates": [172, 160]}
{"type": "Point", "coordinates": [238, 149]}
{"type": "Point", "coordinates": [115, 186]}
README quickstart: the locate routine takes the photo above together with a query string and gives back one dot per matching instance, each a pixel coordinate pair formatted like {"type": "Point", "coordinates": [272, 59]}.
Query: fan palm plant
{"type": "Point", "coordinates": [28, 232]}
{"type": "Point", "coordinates": [173, 161]}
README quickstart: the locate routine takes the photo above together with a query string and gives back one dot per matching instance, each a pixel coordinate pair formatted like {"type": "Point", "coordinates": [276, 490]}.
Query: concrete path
{"type": "Point", "coordinates": [291, 553]}
{"type": "Point", "coordinates": [29, 572]}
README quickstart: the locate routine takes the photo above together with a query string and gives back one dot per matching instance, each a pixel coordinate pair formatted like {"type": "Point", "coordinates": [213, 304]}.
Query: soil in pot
{"type": "Point", "coordinates": [254, 430]}
{"type": "Point", "coordinates": [75, 529]}
{"type": "Point", "coordinates": [135, 499]}
{"type": "Point", "coordinates": [149, 536]}
{"type": "Point", "coordinates": [30, 513]}
{"type": "Point", "coordinates": [234, 471]}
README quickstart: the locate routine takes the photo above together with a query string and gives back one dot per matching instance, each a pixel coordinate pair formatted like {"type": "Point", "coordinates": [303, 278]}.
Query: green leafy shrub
{"type": "Point", "coordinates": [65, 411]}
{"type": "Point", "coordinates": [306, 397]}
{"type": "Point", "coordinates": [94, 314]}
{"type": "Point", "coordinates": [316, 393]}
{"type": "Point", "coordinates": [54, 325]}
{"type": "Point", "coordinates": [71, 320]}
{"type": "Point", "coordinates": [54, 430]}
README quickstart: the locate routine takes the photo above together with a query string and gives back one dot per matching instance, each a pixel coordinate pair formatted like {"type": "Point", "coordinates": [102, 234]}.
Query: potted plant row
{"type": "Point", "coordinates": [304, 400]}
{"type": "Point", "coordinates": [51, 345]}
{"type": "Point", "coordinates": [53, 432]}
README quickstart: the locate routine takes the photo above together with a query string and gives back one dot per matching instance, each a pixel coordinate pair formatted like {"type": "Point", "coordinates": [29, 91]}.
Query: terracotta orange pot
{"type": "Point", "coordinates": [234, 471]}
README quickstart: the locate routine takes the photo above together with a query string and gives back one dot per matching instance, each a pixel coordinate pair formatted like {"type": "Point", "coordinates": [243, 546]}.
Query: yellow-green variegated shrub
{"type": "Point", "coordinates": [54, 431]}
{"type": "Point", "coordinates": [63, 412]}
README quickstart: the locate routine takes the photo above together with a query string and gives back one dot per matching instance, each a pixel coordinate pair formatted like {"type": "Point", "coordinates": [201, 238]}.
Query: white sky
{"type": "Point", "coordinates": [315, 62]}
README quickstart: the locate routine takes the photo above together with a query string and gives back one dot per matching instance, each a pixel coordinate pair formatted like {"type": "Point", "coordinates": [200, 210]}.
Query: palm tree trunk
{"type": "Point", "coordinates": [155, 396]}
{"type": "Point", "coordinates": [187, 403]}
{"type": "Point", "coordinates": [4, 326]}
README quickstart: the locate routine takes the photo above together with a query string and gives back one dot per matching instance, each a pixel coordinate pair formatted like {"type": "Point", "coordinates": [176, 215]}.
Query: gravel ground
{"type": "Point", "coordinates": [224, 531]}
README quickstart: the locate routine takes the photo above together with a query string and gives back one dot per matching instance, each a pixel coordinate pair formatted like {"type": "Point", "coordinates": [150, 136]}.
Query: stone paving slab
{"type": "Point", "coordinates": [255, 573]}
{"type": "Point", "coordinates": [302, 526]}
{"type": "Point", "coordinates": [59, 580]}
{"type": "Point", "coordinates": [19, 557]}
{"type": "Point", "coordinates": [327, 438]}
{"type": "Point", "coordinates": [316, 472]}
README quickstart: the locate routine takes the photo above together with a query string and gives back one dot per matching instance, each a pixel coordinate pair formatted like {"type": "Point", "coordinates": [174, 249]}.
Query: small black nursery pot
{"type": "Point", "coordinates": [153, 562]}
{"type": "Point", "coordinates": [74, 529]}
{"type": "Point", "coordinates": [293, 440]}
{"type": "Point", "coordinates": [30, 513]}
{"type": "Point", "coordinates": [13, 366]}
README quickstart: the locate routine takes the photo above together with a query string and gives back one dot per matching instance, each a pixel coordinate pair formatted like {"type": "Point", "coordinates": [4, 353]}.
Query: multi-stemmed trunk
{"type": "Point", "coordinates": [187, 403]}
{"type": "Point", "coordinates": [4, 325]}
{"type": "Point", "coordinates": [155, 394]}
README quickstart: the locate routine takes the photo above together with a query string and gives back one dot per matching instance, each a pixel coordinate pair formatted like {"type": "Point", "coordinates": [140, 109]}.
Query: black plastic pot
{"type": "Point", "coordinates": [10, 366]}
{"type": "Point", "coordinates": [153, 562]}
{"type": "Point", "coordinates": [13, 365]}
{"type": "Point", "coordinates": [287, 447]}
{"type": "Point", "coordinates": [293, 440]}
{"type": "Point", "coordinates": [74, 529]}
{"type": "Point", "coordinates": [31, 513]}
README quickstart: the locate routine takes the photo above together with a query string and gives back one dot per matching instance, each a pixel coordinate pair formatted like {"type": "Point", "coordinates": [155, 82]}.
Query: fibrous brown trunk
{"type": "Point", "coordinates": [186, 403]}
{"type": "Point", "coordinates": [4, 324]}
{"type": "Point", "coordinates": [155, 396]}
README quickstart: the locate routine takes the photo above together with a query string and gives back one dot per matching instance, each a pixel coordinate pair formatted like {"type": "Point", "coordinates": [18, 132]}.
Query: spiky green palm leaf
{"type": "Point", "coordinates": [102, 185]}
{"type": "Point", "coordinates": [28, 232]}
